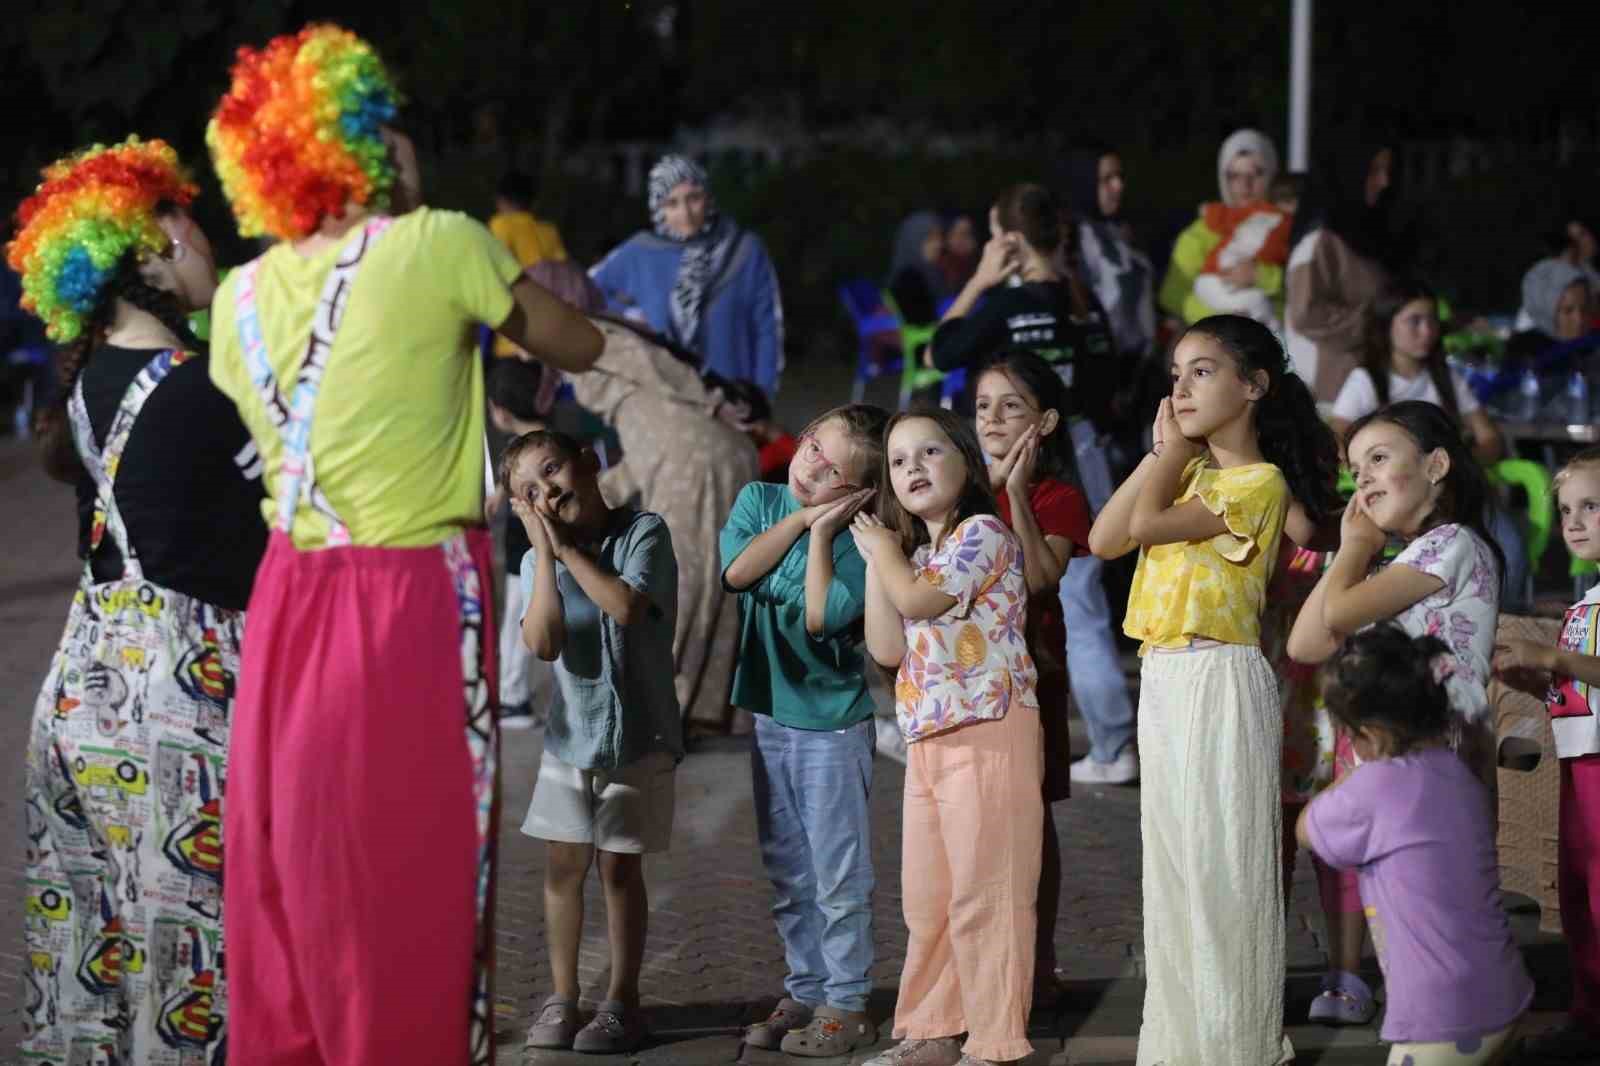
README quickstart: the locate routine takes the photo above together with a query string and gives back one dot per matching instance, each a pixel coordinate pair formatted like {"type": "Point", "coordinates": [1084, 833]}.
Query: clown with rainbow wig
{"type": "Point", "coordinates": [363, 794]}
{"type": "Point", "coordinates": [129, 743]}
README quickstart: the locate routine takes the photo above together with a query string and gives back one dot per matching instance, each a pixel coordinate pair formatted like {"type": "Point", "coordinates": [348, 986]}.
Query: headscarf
{"type": "Point", "coordinates": [1257, 144]}
{"type": "Point", "coordinates": [705, 254]}
{"type": "Point", "coordinates": [1336, 199]}
{"type": "Point", "coordinates": [1542, 287]}
{"type": "Point", "coordinates": [908, 241]}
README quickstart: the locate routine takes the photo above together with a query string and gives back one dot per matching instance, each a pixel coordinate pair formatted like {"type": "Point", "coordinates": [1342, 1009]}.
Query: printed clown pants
{"type": "Point", "coordinates": [362, 811]}
{"type": "Point", "coordinates": [125, 773]}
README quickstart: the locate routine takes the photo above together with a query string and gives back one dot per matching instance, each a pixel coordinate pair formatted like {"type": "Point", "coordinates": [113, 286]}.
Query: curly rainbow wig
{"type": "Point", "coordinates": [298, 136]}
{"type": "Point", "coordinates": [91, 210]}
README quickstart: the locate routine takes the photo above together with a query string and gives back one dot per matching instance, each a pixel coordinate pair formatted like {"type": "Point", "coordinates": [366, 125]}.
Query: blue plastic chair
{"type": "Point", "coordinates": [877, 333]}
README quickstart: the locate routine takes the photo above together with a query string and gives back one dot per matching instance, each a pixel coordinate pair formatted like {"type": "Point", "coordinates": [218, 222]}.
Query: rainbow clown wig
{"type": "Point", "coordinates": [91, 210]}
{"type": "Point", "coordinates": [298, 136]}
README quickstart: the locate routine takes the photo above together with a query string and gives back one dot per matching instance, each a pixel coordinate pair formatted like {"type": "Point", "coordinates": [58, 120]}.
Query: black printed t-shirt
{"type": "Point", "coordinates": [1038, 316]}
{"type": "Point", "coordinates": [189, 487]}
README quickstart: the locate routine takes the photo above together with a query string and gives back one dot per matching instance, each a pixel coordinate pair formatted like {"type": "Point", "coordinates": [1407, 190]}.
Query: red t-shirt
{"type": "Point", "coordinates": [1061, 511]}
{"type": "Point", "coordinates": [775, 457]}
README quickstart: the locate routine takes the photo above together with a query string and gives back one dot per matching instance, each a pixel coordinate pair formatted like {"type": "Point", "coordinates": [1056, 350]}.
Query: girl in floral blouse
{"type": "Point", "coordinates": [947, 606]}
{"type": "Point", "coordinates": [1416, 480]}
{"type": "Point", "coordinates": [1236, 443]}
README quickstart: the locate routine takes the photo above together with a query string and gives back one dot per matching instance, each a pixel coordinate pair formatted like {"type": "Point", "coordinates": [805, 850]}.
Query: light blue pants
{"type": "Point", "coordinates": [811, 790]}
{"type": "Point", "coordinates": [1094, 668]}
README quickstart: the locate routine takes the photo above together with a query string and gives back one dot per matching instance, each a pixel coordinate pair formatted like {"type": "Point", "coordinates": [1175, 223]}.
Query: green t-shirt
{"type": "Point", "coordinates": [802, 681]}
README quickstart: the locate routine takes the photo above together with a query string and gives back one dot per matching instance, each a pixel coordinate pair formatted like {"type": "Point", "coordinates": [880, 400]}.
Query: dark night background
{"type": "Point", "coordinates": [838, 118]}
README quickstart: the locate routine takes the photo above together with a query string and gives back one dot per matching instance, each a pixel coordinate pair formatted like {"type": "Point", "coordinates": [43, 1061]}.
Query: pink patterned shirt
{"type": "Point", "coordinates": [971, 663]}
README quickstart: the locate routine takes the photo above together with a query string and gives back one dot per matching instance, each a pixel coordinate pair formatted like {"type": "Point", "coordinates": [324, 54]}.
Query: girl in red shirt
{"type": "Point", "coordinates": [1019, 400]}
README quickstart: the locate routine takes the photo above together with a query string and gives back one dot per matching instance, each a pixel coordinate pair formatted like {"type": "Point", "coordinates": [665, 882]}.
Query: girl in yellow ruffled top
{"type": "Point", "coordinates": [1236, 444]}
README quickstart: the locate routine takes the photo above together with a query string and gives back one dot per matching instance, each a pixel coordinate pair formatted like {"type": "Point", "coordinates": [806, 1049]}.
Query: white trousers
{"type": "Point", "coordinates": [1210, 747]}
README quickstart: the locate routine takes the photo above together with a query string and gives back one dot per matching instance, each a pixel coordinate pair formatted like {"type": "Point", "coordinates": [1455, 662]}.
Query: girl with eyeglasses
{"type": "Point", "coordinates": [801, 585]}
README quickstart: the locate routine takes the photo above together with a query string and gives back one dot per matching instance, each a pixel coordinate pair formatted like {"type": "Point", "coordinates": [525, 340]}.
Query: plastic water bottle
{"type": "Point", "coordinates": [1528, 396]}
{"type": "Point", "coordinates": [1578, 398]}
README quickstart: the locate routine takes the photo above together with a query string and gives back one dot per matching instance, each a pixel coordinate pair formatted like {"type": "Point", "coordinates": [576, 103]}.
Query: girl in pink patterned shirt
{"type": "Point", "coordinates": [947, 607]}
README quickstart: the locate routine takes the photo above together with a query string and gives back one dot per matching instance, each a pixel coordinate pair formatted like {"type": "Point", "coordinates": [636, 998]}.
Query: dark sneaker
{"type": "Point", "coordinates": [788, 1014]}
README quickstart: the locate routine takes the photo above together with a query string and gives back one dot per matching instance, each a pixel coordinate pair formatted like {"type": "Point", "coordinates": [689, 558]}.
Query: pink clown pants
{"type": "Point", "coordinates": [1578, 883]}
{"type": "Point", "coordinates": [971, 848]}
{"type": "Point", "coordinates": [359, 872]}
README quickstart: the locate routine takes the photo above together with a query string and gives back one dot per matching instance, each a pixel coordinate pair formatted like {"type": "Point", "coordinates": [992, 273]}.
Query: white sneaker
{"type": "Point", "coordinates": [1123, 770]}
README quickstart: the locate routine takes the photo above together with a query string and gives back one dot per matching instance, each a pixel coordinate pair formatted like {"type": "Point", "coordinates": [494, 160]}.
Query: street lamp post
{"type": "Point", "coordinates": [1300, 86]}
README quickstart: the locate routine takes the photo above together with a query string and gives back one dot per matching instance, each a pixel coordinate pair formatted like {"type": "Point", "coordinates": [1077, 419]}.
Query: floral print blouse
{"type": "Point", "coordinates": [1463, 613]}
{"type": "Point", "coordinates": [970, 664]}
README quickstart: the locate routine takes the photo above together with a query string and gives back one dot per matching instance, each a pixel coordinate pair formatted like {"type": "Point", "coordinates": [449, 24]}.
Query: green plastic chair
{"type": "Point", "coordinates": [1347, 482]}
{"type": "Point", "coordinates": [913, 375]}
{"type": "Point", "coordinates": [1533, 479]}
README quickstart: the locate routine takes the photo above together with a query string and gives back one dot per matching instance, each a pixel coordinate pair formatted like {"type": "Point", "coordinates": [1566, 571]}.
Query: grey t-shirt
{"type": "Point", "coordinates": [615, 700]}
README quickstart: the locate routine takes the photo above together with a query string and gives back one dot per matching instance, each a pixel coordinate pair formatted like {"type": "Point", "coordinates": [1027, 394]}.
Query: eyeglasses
{"type": "Point", "coordinates": [812, 455]}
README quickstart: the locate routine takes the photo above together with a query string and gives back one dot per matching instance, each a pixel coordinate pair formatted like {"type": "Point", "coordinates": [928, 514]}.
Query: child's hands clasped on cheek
{"type": "Point", "coordinates": [825, 520]}
{"type": "Point", "coordinates": [872, 536]}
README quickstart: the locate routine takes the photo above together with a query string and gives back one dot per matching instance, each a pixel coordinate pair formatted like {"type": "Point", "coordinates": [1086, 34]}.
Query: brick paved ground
{"type": "Point", "coordinates": [713, 961]}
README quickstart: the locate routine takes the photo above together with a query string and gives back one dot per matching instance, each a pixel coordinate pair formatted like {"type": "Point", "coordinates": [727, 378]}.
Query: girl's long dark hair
{"type": "Point", "coordinates": [1289, 431]}
{"type": "Point", "coordinates": [1023, 367]}
{"type": "Point", "coordinates": [1384, 677]}
{"type": "Point", "coordinates": [976, 495]}
{"type": "Point", "coordinates": [1391, 300]}
{"type": "Point", "coordinates": [1464, 497]}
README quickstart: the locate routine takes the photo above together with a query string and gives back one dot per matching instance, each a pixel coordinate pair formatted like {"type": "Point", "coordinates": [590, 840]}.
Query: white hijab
{"type": "Point", "coordinates": [1257, 144]}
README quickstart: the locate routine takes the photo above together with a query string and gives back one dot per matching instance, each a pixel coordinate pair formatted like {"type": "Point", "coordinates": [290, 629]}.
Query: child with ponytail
{"type": "Point", "coordinates": [1235, 443]}
{"type": "Point", "coordinates": [1419, 828]}
{"type": "Point", "coordinates": [1416, 481]}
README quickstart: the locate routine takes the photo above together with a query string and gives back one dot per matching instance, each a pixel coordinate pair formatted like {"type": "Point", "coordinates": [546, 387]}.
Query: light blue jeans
{"type": "Point", "coordinates": [811, 790]}
{"type": "Point", "coordinates": [1093, 666]}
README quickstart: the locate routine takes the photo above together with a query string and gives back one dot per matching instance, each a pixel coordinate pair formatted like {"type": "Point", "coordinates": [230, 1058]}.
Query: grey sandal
{"type": "Point", "coordinates": [788, 1014]}
{"type": "Point", "coordinates": [556, 1026]}
{"type": "Point", "coordinates": [832, 1033]}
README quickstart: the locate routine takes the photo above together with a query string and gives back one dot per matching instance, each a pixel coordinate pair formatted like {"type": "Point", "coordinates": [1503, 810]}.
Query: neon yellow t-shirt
{"type": "Point", "coordinates": [397, 436]}
{"type": "Point", "coordinates": [1212, 589]}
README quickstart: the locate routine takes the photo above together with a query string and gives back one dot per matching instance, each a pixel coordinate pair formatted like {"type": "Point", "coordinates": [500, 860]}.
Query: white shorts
{"type": "Point", "coordinates": [627, 811]}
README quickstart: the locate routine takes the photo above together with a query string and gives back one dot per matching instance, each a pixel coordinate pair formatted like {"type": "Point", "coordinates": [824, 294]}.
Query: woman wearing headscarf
{"type": "Point", "coordinates": [1119, 274]}
{"type": "Point", "coordinates": [698, 280]}
{"type": "Point", "coordinates": [915, 280]}
{"type": "Point", "coordinates": [1343, 250]}
{"type": "Point", "coordinates": [683, 459]}
{"type": "Point", "coordinates": [1232, 257]}
{"type": "Point", "coordinates": [1556, 297]}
